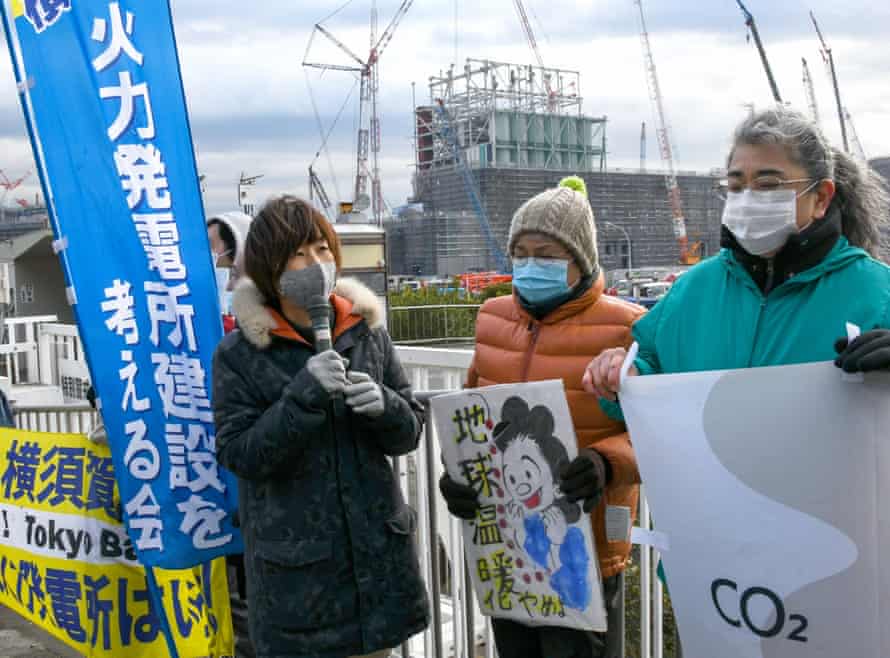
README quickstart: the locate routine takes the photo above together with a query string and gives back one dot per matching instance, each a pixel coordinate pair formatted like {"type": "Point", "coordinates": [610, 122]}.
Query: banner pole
{"type": "Point", "coordinates": [162, 613]}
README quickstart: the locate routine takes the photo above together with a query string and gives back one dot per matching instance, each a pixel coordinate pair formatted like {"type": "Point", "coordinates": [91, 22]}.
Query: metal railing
{"type": "Point", "coordinates": [458, 630]}
{"type": "Point", "coordinates": [435, 371]}
{"type": "Point", "coordinates": [433, 324]}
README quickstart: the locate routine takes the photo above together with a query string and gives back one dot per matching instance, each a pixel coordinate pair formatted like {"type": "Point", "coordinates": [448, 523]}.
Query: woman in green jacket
{"type": "Point", "coordinates": [801, 235]}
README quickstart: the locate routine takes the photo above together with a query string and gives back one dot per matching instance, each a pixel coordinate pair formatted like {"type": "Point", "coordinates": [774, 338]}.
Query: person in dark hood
{"type": "Point", "coordinates": [332, 568]}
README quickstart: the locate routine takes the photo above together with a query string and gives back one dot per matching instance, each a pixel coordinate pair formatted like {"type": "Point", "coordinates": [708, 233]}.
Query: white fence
{"type": "Point", "coordinates": [60, 345]}
{"type": "Point", "coordinates": [70, 419]}
{"type": "Point", "coordinates": [19, 349]}
{"type": "Point", "coordinates": [48, 353]}
{"type": "Point", "coordinates": [37, 350]}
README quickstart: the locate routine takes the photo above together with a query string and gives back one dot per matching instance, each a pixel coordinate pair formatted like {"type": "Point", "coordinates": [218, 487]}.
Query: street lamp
{"type": "Point", "coordinates": [627, 239]}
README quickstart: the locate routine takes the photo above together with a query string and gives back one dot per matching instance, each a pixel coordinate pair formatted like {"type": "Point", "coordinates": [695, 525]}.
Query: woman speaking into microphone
{"type": "Point", "coordinates": [330, 556]}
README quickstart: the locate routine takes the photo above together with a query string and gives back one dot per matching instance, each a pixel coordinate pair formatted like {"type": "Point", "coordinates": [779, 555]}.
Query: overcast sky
{"type": "Point", "coordinates": [249, 98]}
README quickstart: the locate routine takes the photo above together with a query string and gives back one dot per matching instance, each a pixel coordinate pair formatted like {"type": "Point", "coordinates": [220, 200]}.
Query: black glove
{"type": "Point", "coordinates": [462, 499]}
{"type": "Point", "coordinates": [584, 478]}
{"type": "Point", "coordinates": [871, 351]}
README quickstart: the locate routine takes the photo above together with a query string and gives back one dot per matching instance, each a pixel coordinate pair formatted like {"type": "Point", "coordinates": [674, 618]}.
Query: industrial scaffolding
{"type": "Point", "coordinates": [520, 129]}
{"type": "Point", "coordinates": [509, 115]}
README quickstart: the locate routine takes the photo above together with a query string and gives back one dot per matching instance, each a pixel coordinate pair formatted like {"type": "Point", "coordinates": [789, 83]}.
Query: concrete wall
{"type": "Point", "coordinates": [40, 267]}
{"type": "Point", "coordinates": [441, 245]}
{"type": "Point", "coordinates": [448, 240]}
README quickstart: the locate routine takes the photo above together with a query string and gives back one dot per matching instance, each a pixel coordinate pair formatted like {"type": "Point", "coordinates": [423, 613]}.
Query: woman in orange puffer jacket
{"type": "Point", "coordinates": [557, 320]}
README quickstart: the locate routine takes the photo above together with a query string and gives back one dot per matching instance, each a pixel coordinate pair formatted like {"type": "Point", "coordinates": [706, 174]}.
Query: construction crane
{"type": "Point", "coordinates": [533, 44]}
{"type": "Point", "coordinates": [367, 167]}
{"type": "Point", "coordinates": [858, 151]}
{"type": "Point", "coordinates": [643, 147]}
{"type": "Point", "coordinates": [529, 34]}
{"type": "Point", "coordinates": [752, 31]}
{"type": "Point", "coordinates": [316, 190]}
{"type": "Point", "coordinates": [828, 58]}
{"type": "Point", "coordinates": [688, 255]}
{"type": "Point", "coordinates": [460, 161]}
{"type": "Point", "coordinates": [8, 185]}
{"type": "Point", "coordinates": [810, 93]}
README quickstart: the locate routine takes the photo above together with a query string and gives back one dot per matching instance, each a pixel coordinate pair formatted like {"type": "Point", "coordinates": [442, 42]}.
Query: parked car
{"type": "Point", "coordinates": [650, 293]}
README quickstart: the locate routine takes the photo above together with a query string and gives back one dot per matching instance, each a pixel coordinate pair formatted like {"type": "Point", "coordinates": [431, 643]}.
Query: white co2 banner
{"type": "Point", "coordinates": [772, 485]}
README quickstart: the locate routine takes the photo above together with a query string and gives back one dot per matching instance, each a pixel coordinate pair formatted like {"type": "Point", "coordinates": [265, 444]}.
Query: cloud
{"type": "Point", "coordinates": [252, 111]}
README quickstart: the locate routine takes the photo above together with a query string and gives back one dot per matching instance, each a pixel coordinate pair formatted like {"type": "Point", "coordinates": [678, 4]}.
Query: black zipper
{"type": "Point", "coordinates": [770, 275]}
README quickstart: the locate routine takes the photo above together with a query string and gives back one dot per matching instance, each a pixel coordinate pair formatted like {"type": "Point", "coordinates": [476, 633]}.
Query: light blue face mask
{"type": "Point", "coordinates": [539, 280]}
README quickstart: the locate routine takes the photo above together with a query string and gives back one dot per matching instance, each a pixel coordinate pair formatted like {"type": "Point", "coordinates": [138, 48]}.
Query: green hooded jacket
{"type": "Point", "coordinates": [715, 317]}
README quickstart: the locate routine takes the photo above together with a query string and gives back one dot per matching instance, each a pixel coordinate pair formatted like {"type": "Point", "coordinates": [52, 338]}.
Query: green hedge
{"type": "Point", "coordinates": [436, 324]}
{"type": "Point", "coordinates": [632, 613]}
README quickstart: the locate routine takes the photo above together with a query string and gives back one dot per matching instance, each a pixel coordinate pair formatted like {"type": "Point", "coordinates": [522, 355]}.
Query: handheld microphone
{"type": "Point", "coordinates": [311, 289]}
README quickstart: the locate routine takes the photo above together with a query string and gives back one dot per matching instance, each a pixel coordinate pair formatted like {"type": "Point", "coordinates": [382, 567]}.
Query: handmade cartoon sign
{"type": "Point", "coordinates": [530, 551]}
{"type": "Point", "coordinates": [770, 485]}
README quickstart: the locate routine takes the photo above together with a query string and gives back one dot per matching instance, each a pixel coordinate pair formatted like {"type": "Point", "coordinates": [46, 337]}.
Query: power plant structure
{"type": "Point", "coordinates": [495, 134]}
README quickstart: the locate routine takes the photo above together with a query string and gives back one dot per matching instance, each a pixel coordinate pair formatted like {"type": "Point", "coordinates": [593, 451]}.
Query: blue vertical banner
{"type": "Point", "coordinates": [102, 94]}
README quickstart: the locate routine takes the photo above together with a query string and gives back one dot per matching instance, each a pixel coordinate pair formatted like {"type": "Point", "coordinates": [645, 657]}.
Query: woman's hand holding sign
{"type": "Point", "coordinates": [602, 376]}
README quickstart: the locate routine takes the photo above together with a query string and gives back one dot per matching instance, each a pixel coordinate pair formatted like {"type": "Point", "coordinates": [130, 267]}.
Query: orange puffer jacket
{"type": "Point", "coordinates": [511, 346]}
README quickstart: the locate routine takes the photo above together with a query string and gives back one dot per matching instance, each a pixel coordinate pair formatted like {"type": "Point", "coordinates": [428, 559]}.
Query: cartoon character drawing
{"type": "Point", "coordinates": [539, 517]}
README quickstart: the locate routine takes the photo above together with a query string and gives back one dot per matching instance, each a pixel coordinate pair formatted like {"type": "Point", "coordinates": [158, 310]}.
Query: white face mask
{"type": "Point", "coordinates": [762, 221]}
{"type": "Point", "coordinates": [222, 285]}
{"type": "Point", "coordinates": [217, 255]}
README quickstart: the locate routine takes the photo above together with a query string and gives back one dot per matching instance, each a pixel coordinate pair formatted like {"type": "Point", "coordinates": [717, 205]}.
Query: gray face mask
{"type": "Point", "coordinates": [310, 285]}
{"type": "Point", "coordinates": [762, 221]}
{"type": "Point", "coordinates": [310, 289]}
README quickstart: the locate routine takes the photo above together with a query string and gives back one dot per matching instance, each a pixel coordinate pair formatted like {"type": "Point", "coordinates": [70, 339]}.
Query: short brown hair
{"type": "Point", "coordinates": [281, 227]}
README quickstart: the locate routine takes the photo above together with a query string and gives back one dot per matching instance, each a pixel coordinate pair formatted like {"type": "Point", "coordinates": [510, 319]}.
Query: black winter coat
{"type": "Point", "coordinates": [330, 549]}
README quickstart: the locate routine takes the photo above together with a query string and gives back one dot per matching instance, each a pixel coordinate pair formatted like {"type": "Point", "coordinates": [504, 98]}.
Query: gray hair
{"type": "Point", "coordinates": [861, 193]}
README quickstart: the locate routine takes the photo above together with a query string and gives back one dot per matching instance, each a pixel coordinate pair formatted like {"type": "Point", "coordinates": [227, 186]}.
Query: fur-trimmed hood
{"type": "Point", "coordinates": [257, 323]}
